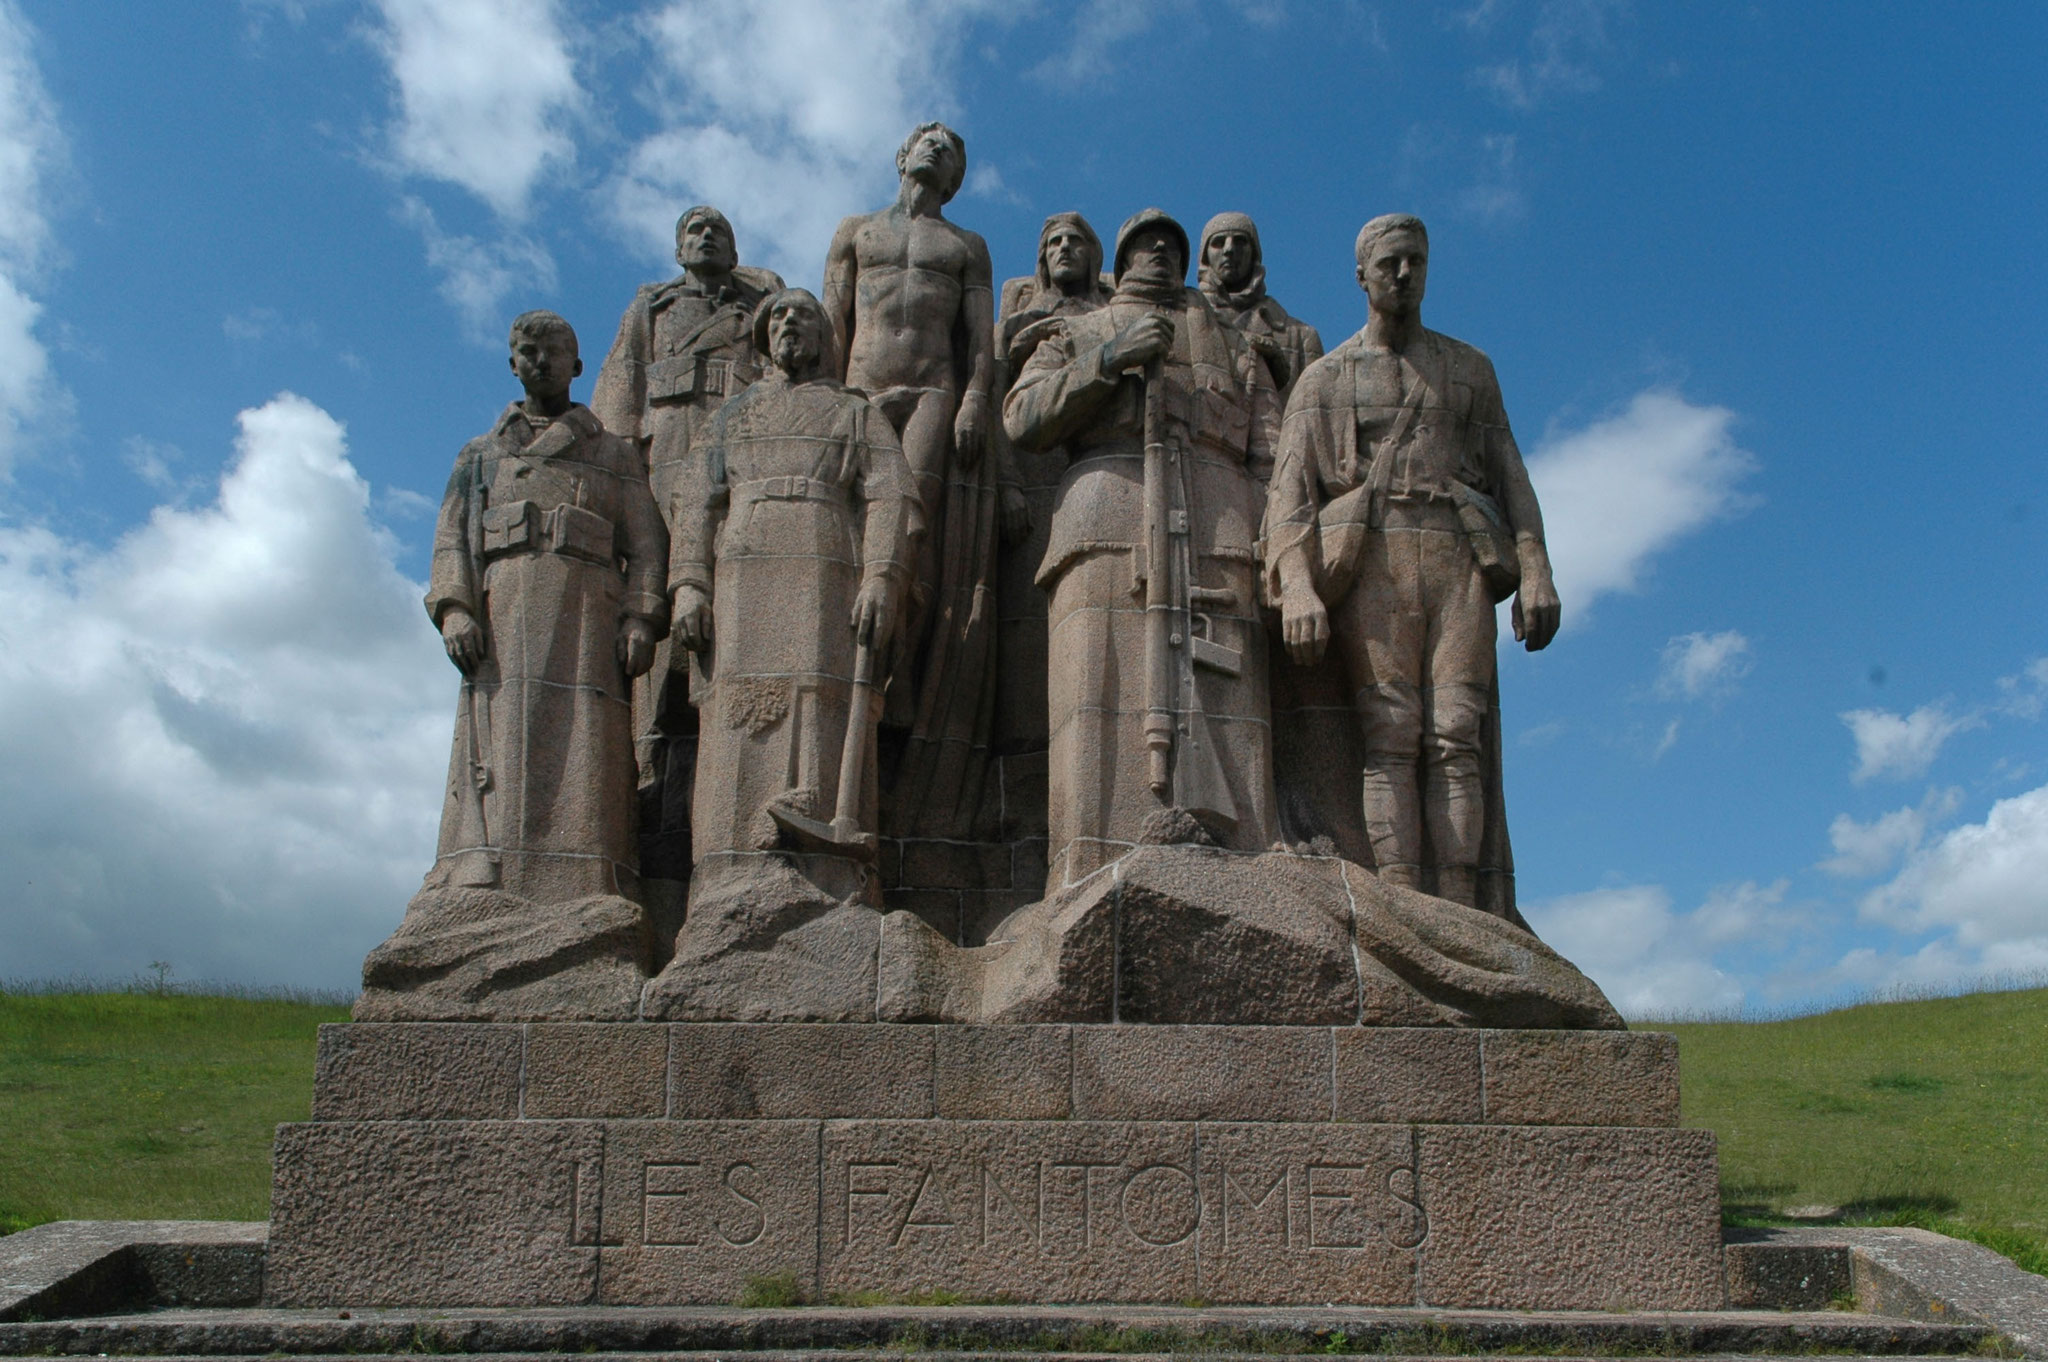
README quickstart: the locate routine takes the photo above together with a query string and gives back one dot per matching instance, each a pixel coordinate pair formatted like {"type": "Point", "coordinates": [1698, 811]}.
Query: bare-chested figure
{"type": "Point", "coordinates": [910, 299]}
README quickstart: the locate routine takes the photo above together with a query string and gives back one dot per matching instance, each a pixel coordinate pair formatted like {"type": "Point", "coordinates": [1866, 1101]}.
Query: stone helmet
{"type": "Point", "coordinates": [1139, 221]}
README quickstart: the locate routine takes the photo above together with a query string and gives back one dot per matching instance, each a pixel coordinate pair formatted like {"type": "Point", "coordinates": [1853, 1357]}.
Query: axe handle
{"type": "Point", "coordinates": [853, 756]}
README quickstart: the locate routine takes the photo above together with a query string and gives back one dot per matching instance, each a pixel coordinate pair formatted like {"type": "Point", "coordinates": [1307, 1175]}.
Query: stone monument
{"type": "Point", "coordinates": [1209, 1057]}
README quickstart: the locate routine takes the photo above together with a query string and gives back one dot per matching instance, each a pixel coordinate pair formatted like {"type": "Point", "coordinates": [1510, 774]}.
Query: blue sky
{"type": "Point", "coordinates": [1762, 284]}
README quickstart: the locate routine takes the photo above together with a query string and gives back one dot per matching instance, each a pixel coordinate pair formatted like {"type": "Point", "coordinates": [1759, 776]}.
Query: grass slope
{"type": "Point", "coordinates": [125, 1106]}
{"type": "Point", "coordinates": [1930, 1113]}
{"type": "Point", "coordinates": [134, 1106]}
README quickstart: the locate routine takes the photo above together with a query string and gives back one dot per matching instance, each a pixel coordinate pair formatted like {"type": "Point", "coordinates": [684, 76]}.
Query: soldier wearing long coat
{"type": "Point", "coordinates": [548, 582]}
{"type": "Point", "coordinates": [684, 346]}
{"type": "Point", "coordinates": [799, 542]}
{"type": "Point", "coordinates": [1212, 416]}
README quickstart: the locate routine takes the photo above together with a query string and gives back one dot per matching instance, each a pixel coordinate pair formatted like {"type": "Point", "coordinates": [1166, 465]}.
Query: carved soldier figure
{"type": "Point", "coordinates": [1157, 695]}
{"type": "Point", "coordinates": [549, 588]}
{"type": "Point", "coordinates": [791, 564]}
{"type": "Point", "coordinates": [908, 294]}
{"type": "Point", "coordinates": [683, 347]}
{"type": "Point", "coordinates": [1233, 278]}
{"type": "Point", "coordinates": [1399, 514]}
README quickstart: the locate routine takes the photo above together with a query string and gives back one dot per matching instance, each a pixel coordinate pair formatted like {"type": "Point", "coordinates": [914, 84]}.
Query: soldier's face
{"type": "Point", "coordinates": [705, 243]}
{"type": "Point", "coordinates": [545, 364]}
{"type": "Point", "coordinates": [1154, 256]}
{"type": "Point", "coordinates": [1066, 256]}
{"type": "Point", "coordinates": [1394, 275]}
{"type": "Point", "coordinates": [796, 339]}
{"type": "Point", "coordinates": [1230, 256]}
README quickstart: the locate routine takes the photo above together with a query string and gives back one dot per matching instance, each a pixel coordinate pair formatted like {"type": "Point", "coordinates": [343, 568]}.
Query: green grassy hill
{"type": "Point", "coordinates": [1931, 1113]}
{"type": "Point", "coordinates": [134, 1106]}
{"type": "Point", "coordinates": [137, 1106]}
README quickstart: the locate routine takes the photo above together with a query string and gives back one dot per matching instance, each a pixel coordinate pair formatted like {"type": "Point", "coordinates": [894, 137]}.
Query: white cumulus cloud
{"type": "Point", "coordinates": [1648, 959]}
{"type": "Point", "coordinates": [1698, 666]}
{"type": "Point", "coordinates": [487, 100]}
{"type": "Point", "coordinates": [1626, 487]}
{"type": "Point", "coordinates": [1985, 884]}
{"type": "Point", "coordinates": [32, 148]}
{"type": "Point", "coordinates": [1902, 745]}
{"type": "Point", "coordinates": [786, 116]}
{"type": "Point", "coordinates": [1865, 849]}
{"type": "Point", "coordinates": [225, 736]}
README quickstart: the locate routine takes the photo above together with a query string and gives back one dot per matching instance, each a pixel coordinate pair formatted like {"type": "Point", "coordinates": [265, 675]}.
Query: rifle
{"type": "Point", "coordinates": [1182, 764]}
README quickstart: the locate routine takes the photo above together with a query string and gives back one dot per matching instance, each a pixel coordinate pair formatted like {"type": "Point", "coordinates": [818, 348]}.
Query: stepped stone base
{"type": "Point", "coordinates": [648, 1164]}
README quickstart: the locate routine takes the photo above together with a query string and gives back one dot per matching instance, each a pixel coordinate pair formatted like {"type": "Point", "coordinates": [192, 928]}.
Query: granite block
{"type": "Point", "coordinates": [747, 1071]}
{"type": "Point", "coordinates": [1201, 1073]}
{"type": "Point", "coordinates": [992, 1073]}
{"type": "Point", "coordinates": [417, 1071]}
{"type": "Point", "coordinates": [1581, 1078]}
{"type": "Point", "coordinates": [1428, 1074]}
{"type": "Point", "coordinates": [435, 1213]}
{"type": "Point", "coordinates": [596, 1070]}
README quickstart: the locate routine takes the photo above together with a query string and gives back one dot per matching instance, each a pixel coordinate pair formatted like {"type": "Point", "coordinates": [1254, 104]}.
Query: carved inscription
{"type": "Point", "coordinates": [1083, 1204]}
{"type": "Point", "coordinates": [691, 1204]}
{"type": "Point", "coordinates": [1316, 1204]}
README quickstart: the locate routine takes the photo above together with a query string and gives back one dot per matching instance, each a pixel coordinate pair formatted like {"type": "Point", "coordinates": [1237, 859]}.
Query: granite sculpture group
{"type": "Point", "coordinates": [1004, 801]}
{"type": "Point", "coordinates": [775, 558]}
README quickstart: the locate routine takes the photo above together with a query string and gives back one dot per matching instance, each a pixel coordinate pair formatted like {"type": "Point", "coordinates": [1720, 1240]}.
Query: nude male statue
{"type": "Point", "coordinates": [1399, 514]}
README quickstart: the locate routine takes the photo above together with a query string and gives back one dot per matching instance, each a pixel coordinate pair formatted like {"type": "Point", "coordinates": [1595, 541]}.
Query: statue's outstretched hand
{"type": "Point", "coordinates": [463, 638]}
{"type": "Point", "coordinates": [636, 645]}
{"type": "Point", "coordinates": [690, 618]}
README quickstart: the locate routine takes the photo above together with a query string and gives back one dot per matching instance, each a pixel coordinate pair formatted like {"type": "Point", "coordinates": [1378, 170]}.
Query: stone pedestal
{"type": "Point", "coordinates": [638, 1163]}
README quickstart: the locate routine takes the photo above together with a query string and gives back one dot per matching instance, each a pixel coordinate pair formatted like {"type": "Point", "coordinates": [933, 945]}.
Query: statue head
{"type": "Point", "coordinates": [544, 353]}
{"type": "Point", "coordinates": [1231, 255]}
{"type": "Point", "coordinates": [1393, 262]}
{"type": "Point", "coordinates": [1152, 247]}
{"type": "Point", "coordinates": [791, 329]}
{"type": "Point", "coordinates": [704, 241]}
{"type": "Point", "coordinates": [935, 153]}
{"type": "Point", "coordinates": [1069, 255]}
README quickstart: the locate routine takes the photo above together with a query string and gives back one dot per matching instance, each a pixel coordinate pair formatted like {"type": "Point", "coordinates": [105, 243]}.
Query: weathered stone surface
{"type": "Point", "coordinates": [423, 1072]}
{"type": "Point", "coordinates": [994, 1073]}
{"type": "Point", "coordinates": [771, 946]}
{"type": "Point", "coordinates": [1058, 1210]}
{"type": "Point", "coordinates": [596, 1070]}
{"type": "Point", "coordinates": [1407, 1074]}
{"type": "Point", "coordinates": [1311, 1214]}
{"type": "Point", "coordinates": [1779, 1276]}
{"type": "Point", "coordinates": [1582, 1078]}
{"type": "Point", "coordinates": [1180, 934]}
{"type": "Point", "coordinates": [694, 1208]}
{"type": "Point", "coordinates": [848, 1334]}
{"type": "Point", "coordinates": [795, 1070]}
{"type": "Point", "coordinates": [470, 954]}
{"type": "Point", "coordinates": [435, 1213]}
{"type": "Point", "coordinates": [1570, 1218]}
{"type": "Point", "coordinates": [1201, 1073]}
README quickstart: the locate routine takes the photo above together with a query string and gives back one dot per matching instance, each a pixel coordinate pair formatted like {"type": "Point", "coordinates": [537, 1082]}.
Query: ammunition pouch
{"type": "Point", "coordinates": [571, 531]}
{"type": "Point", "coordinates": [696, 378]}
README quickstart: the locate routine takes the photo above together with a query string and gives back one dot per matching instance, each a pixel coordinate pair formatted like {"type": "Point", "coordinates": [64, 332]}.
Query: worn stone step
{"type": "Point", "coordinates": [988, 1330]}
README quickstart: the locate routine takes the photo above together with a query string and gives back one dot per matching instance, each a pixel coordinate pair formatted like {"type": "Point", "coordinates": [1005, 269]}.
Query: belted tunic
{"type": "Point", "coordinates": [806, 496]}
{"type": "Point", "coordinates": [548, 538]}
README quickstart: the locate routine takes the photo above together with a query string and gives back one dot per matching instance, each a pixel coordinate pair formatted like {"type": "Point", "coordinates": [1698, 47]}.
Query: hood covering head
{"type": "Point", "coordinates": [1137, 222]}
{"type": "Point", "coordinates": [804, 298]}
{"type": "Point", "coordinates": [1046, 286]}
{"type": "Point", "coordinates": [1254, 286]}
